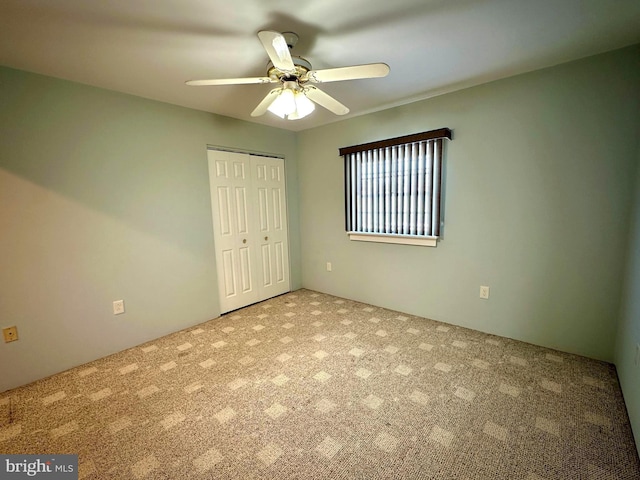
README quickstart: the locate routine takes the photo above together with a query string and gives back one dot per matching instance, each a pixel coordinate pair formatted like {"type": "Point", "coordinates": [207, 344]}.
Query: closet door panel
{"type": "Point", "coordinates": [231, 194]}
{"type": "Point", "coordinates": [270, 190]}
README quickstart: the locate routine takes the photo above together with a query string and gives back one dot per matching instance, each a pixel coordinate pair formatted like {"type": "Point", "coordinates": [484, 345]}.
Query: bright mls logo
{"type": "Point", "coordinates": [51, 467]}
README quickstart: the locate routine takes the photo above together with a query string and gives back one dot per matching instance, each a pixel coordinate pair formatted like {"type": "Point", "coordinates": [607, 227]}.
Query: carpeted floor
{"type": "Point", "coordinates": [310, 386]}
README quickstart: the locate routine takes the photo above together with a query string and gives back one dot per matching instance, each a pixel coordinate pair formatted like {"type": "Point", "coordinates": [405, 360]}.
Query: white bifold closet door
{"type": "Point", "coordinates": [248, 203]}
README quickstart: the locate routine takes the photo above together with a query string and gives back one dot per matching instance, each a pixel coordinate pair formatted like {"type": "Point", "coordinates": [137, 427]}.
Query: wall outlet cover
{"type": "Point", "coordinates": [10, 334]}
{"type": "Point", "coordinates": [118, 307]}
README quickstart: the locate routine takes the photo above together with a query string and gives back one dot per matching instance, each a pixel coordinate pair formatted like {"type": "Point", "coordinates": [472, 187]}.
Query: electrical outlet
{"type": "Point", "coordinates": [118, 307]}
{"type": "Point", "coordinates": [10, 334]}
{"type": "Point", "coordinates": [329, 266]}
{"type": "Point", "coordinates": [484, 292]}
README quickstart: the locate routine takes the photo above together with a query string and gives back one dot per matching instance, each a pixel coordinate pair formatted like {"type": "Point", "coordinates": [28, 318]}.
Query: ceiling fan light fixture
{"type": "Point", "coordinates": [291, 103]}
{"type": "Point", "coordinates": [304, 106]}
{"type": "Point", "coordinates": [285, 104]}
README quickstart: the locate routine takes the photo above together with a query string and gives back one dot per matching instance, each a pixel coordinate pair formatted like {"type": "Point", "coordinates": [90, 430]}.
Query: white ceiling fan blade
{"type": "Point", "coordinates": [266, 102]}
{"type": "Point", "coordinates": [372, 70]}
{"type": "Point", "coordinates": [230, 81]}
{"type": "Point", "coordinates": [325, 100]}
{"type": "Point", "coordinates": [278, 50]}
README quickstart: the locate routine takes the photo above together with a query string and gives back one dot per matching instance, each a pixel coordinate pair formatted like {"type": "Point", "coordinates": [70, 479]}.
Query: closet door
{"type": "Point", "coordinates": [271, 217]}
{"type": "Point", "coordinates": [248, 203]}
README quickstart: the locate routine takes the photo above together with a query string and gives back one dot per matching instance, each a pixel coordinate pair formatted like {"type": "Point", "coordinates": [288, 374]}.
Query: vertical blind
{"type": "Point", "coordinates": [393, 186]}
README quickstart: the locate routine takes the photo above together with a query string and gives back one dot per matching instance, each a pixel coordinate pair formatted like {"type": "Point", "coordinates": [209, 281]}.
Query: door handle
{"type": "Point", "coordinates": [266, 238]}
{"type": "Point", "coordinates": [244, 240]}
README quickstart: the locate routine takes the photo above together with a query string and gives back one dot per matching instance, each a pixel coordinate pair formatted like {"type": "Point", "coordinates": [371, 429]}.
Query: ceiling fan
{"type": "Point", "coordinates": [295, 96]}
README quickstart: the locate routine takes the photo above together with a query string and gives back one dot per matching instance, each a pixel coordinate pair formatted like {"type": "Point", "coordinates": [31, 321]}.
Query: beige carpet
{"type": "Point", "coordinates": [310, 386]}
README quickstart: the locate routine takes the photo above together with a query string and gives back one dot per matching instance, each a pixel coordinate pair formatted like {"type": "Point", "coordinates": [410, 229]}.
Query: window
{"type": "Point", "coordinates": [393, 188]}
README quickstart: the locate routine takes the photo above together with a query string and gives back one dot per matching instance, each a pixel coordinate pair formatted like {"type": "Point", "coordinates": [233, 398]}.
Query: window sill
{"type": "Point", "coordinates": [391, 238]}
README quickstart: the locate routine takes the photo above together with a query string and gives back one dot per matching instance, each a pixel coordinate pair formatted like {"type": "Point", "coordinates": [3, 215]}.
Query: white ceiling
{"type": "Point", "coordinates": [150, 48]}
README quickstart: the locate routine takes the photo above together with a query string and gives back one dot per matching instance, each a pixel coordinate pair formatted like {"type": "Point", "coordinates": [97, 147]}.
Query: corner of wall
{"type": "Point", "coordinates": [628, 338]}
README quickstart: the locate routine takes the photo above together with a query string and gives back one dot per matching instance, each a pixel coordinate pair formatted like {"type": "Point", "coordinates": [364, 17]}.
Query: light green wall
{"type": "Point", "coordinates": [105, 196]}
{"type": "Point", "coordinates": [538, 187]}
{"type": "Point", "coordinates": [629, 329]}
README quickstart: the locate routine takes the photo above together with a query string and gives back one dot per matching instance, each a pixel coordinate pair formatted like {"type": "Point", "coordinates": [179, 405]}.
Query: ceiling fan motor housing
{"type": "Point", "coordinates": [303, 66]}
